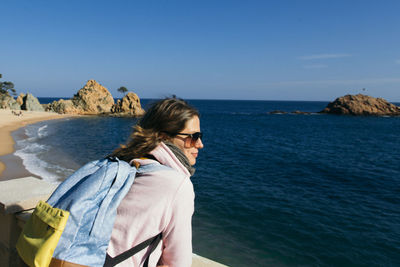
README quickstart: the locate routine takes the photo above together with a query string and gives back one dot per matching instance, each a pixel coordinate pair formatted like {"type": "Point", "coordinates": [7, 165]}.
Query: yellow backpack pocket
{"type": "Point", "coordinates": [41, 233]}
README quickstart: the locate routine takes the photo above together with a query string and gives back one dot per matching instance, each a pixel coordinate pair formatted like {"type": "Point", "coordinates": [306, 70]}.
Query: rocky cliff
{"type": "Point", "coordinates": [361, 105]}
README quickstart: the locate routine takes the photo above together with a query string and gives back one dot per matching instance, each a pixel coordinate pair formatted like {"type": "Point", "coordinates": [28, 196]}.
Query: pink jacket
{"type": "Point", "coordinates": [161, 201]}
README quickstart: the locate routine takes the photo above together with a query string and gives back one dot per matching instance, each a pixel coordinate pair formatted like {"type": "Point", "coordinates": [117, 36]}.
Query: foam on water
{"type": "Point", "coordinates": [35, 165]}
{"type": "Point", "coordinates": [42, 131]}
{"type": "Point", "coordinates": [30, 148]}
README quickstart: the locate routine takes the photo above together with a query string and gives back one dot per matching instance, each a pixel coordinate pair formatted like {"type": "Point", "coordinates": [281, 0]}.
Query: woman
{"type": "Point", "coordinates": [161, 201]}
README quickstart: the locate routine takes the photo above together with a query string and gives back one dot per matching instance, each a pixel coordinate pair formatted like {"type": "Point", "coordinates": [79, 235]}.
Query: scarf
{"type": "Point", "coordinates": [180, 156]}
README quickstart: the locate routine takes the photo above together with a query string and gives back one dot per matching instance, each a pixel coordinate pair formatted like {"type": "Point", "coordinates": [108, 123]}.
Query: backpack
{"type": "Point", "coordinates": [77, 220]}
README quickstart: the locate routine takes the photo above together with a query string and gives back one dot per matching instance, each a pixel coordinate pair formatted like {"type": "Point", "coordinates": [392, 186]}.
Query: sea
{"type": "Point", "coordinates": [271, 189]}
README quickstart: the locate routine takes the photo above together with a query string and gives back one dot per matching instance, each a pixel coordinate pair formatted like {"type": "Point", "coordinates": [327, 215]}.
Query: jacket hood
{"type": "Point", "coordinates": [166, 157]}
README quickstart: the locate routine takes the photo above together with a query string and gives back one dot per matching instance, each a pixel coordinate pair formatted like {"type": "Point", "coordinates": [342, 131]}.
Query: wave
{"type": "Point", "coordinates": [31, 149]}
{"type": "Point", "coordinates": [34, 133]}
{"type": "Point", "coordinates": [35, 165]}
{"type": "Point", "coordinates": [42, 131]}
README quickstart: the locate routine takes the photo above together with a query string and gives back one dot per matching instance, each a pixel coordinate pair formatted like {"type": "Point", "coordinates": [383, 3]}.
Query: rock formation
{"type": "Point", "coordinates": [20, 99]}
{"type": "Point", "coordinates": [31, 103]}
{"type": "Point", "coordinates": [24, 102]}
{"type": "Point", "coordinates": [92, 99]}
{"type": "Point", "coordinates": [298, 112]}
{"type": "Point", "coordinates": [279, 112]}
{"type": "Point", "coordinates": [8, 102]}
{"type": "Point", "coordinates": [129, 105]}
{"type": "Point", "coordinates": [361, 105]}
{"type": "Point", "coordinates": [63, 107]}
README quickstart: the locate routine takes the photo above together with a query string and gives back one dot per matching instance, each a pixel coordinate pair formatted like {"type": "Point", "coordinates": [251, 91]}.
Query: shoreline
{"type": "Point", "coordinates": [10, 123]}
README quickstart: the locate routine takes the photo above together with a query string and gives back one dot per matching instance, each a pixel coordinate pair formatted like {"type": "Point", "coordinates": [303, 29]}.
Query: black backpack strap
{"type": "Point", "coordinates": [153, 246]}
{"type": "Point", "coordinates": [152, 242]}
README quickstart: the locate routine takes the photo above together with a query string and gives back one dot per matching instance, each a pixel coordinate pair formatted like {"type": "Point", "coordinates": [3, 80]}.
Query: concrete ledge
{"type": "Point", "coordinates": [23, 194]}
{"type": "Point", "coordinates": [199, 261]}
{"type": "Point", "coordinates": [15, 196]}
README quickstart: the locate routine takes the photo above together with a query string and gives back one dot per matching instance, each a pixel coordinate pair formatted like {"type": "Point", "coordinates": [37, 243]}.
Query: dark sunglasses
{"type": "Point", "coordinates": [193, 138]}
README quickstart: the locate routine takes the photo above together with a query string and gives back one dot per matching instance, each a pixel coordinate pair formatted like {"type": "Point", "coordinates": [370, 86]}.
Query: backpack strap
{"type": "Point", "coordinates": [152, 242]}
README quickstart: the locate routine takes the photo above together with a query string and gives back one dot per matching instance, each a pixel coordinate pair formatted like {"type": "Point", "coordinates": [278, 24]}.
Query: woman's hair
{"type": "Point", "coordinates": [162, 121]}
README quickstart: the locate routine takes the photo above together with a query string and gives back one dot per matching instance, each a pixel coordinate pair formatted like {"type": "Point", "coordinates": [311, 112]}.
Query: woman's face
{"type": "Point", "coordinates": [190, 149]}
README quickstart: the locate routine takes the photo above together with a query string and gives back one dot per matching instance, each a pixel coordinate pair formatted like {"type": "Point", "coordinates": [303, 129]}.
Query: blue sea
{"type": "Point", "coordinates": [271, 190]}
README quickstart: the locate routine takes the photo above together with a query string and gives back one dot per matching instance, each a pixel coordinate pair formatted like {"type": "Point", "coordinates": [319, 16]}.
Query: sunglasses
{"type": "Point", "coordinates": [193, 138]}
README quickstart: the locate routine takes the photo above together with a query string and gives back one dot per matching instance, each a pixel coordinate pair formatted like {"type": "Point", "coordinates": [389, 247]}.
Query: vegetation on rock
{"type": "Point", "coordinates": [122, 90]}
{"type": "Point", "coordinates": [7, 87]}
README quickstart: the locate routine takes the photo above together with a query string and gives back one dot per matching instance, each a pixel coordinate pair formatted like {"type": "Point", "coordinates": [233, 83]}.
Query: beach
{"type": "Point", "coordinates": [10, 122]}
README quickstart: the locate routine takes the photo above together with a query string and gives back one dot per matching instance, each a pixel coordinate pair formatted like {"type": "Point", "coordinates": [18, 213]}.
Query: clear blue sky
{"type": "Point", "coordinates": [263, 50]}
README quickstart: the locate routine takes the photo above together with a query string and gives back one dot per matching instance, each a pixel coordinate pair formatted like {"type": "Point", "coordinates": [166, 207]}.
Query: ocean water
{"type": "Point", "coordinates": [271, 190]}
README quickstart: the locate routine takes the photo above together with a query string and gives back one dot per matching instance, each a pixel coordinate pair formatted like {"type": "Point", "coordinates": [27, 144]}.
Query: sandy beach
{"type": "Point", "coordinates": [9, 123]}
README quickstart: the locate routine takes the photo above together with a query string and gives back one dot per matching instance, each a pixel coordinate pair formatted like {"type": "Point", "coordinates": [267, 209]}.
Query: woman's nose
{"type": "Point", "coordinates": [199, 144]}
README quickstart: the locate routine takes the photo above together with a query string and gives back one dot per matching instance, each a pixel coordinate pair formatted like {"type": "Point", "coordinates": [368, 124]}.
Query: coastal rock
{"type": "Point", "coordinates": [93, 98]}
{"type": "Point", "coordinates": [8, 102]}
{"type": "Point", "coordinates": [298, 112]}
{"type": "Point", "coordinates": [63, 107]}
{"type": "Point", "coordinates": [277, 112]}
{"type": "Point", "coordinates": [361, 105]}
{"type": "Point", "coordinates": [31, 103]}
{"type": "Point", "coordinates": [129, 105]}
{"type": "Point", "coordinates": [20, 99]}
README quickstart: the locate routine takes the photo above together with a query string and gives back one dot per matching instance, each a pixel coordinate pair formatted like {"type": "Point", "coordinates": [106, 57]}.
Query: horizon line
{"type": "Point", "coordinates": [224, 99]}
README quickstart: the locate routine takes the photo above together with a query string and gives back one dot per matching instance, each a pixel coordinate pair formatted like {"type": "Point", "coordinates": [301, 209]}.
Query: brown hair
{"type": "Point", "coordinates": [162, 121]}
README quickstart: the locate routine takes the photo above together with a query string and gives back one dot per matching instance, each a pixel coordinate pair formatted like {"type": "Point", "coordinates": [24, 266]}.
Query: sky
{"type": "Point", "coordinates": [245, 50]}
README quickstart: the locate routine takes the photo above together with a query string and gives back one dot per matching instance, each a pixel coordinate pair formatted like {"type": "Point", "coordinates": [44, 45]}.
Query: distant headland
{"type": "Point", "coordinates": [92, 99]}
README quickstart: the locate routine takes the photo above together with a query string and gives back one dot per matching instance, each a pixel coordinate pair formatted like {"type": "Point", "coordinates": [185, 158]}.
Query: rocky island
{"type": "Point", "coordinates": [361, 105]}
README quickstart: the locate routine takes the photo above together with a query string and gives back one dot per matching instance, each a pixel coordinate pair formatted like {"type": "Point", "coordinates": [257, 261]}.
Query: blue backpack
{"type": "Point", "coordinates": [92, 195]}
